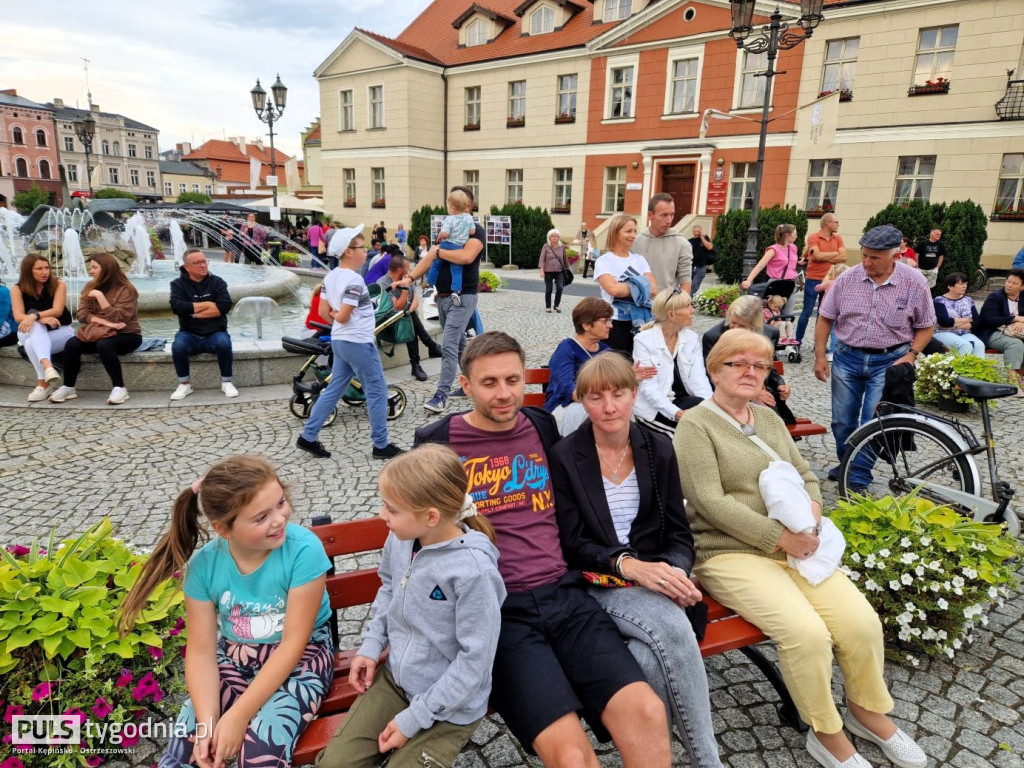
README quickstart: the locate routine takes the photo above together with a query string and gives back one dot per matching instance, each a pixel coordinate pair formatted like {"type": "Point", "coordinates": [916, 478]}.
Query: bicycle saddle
{"type": "Point", "coordinates": [984, 390]}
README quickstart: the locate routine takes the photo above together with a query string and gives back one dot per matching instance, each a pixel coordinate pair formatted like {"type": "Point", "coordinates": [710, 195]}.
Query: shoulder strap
{"type": "Point", "coordinates": [713, 406]}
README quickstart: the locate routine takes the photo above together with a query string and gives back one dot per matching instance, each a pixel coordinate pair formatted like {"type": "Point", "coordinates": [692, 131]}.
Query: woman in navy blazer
{"type": "Point", "coordinates": [1005, 307]}
{"type": "Point", "coordinates": [620, 514]}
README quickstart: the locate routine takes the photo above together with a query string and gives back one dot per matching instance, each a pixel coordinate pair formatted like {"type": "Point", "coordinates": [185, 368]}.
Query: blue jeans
{"type": "Point", "coordinates": [362, 361]}
{"type": "Point", "coordinates": [965, 344]}
{"type": "Point", "coordinates": [699, 273]}
{"type": "Point", "coordinates": [187, 344]}
{"type": "Point", "coordinates": [810, 297]}
{"type": "Point", "coordinates": [660, 637]}
{"type": "Point", "coordinates": [454, 321]}
{"type": "Point", "coordinates": [857, 383]}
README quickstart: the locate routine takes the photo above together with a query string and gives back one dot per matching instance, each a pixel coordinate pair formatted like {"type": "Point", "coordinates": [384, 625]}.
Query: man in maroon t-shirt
{"type": "Point", "coordinates": [559, 653]}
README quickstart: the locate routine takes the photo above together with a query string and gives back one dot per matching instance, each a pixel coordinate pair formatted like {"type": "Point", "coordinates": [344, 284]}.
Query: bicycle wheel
{"type": "Point", "coordinates": [979, 281]}
{"type": "Point", "coordinates": [908, 450]}
{"type": "Point", "coordinates": [396, 402]}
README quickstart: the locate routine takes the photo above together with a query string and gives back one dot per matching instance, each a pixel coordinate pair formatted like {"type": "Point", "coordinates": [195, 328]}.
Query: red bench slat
{"type": "Point", "coordinates": [315, 738]}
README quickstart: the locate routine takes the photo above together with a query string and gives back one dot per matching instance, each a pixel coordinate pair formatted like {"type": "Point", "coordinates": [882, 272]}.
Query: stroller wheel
{"type": "Point", "coordinates": [795, 357]}
{"type": "Point", "coordinates": [396, 402]}
{"type": "Point", "coordinates": [330, 419]}
{"type": "Point", "coordinates": [300, 405]}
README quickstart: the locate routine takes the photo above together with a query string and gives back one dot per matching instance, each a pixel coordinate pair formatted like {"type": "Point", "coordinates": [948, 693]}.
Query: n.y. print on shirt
{"type": "Point", "coordinates": [499, 483]}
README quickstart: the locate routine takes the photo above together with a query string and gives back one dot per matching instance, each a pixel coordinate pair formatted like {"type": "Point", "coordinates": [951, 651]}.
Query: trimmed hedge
{"type": "Point", "coordinates": [731, 236]}
{"type": "Point", "coordinates": [530, 227]}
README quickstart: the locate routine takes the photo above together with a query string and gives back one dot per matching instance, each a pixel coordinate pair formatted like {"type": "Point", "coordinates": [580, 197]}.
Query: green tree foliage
{"type": "Point", "coordinates": [109, 192]}
{"type": "Point", "coordinates": [420, 224]}
{"type": "Point", "coordinates": [194, 197]}
{"type": "Point", "coordinates": [530, 227]}
{"type": "Point", "coordinates": [915, 219]}
{"type": "Point", "coordinates": [731, 236]}
{"type": "Point", "coordinates": [30, 199]}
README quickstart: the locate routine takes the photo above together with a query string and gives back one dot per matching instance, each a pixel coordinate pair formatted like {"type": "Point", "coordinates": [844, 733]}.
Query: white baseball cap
{"type": "Point", "coordinates": [342, 237]}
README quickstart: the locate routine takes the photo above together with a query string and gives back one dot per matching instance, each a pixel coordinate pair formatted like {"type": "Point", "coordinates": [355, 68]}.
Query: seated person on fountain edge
{"type": "Point", "coordinates": [201, 301]}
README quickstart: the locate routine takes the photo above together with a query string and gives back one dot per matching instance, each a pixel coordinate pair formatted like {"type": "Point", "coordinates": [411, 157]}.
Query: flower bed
{"type": "Point", "coordinates": [930, 573]}
{"type": "Point", "coordinates": [716, 300]}
{"type": "Point", "coordinates": [60, 651]}
{"type": "Point", "coordinates": [936, 377]}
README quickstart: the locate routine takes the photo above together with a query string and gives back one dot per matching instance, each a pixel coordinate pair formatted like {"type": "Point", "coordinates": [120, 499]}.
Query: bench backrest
{"type": "Point", "coordinates": [536, 376]}
{"type": "Point", "coordinates": [349, 538]}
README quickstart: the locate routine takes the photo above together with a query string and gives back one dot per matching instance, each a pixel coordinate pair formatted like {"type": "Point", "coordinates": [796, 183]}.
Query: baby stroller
{"type": "Point", "coordinates": [787, 346]}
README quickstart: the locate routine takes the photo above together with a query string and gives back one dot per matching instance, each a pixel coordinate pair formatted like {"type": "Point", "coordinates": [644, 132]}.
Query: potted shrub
{"type": "Point", "coordinates": [490, 282]}
{"type": "Point", "coordinates": [930, 573]}
{"type": "Point", "coordinates": [715, 301]}
{"type": "Point", "coordinates": [936, 378]}
{"type": "Point", "coordinates": [289, 259]}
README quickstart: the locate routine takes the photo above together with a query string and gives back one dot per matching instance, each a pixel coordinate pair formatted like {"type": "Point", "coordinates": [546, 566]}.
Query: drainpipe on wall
{"type": "Point", "coordinates": [444, 174]}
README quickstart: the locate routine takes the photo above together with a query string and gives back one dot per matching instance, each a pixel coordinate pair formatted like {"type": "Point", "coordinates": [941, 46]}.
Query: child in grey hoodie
{"type": "Point", "coordinates": [438, 611]}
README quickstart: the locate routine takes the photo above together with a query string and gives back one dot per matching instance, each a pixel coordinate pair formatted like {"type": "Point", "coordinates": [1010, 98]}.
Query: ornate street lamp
{"type": "Point", "coordinates": [85, 130]}
{"type": "Point", "coordinates": [769, 39]}
{"type": "Point", "coordinates": [268, 112]}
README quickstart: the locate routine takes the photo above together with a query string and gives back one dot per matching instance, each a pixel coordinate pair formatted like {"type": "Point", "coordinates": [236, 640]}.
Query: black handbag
{"type": "Point", "coordinates": [567, 277]}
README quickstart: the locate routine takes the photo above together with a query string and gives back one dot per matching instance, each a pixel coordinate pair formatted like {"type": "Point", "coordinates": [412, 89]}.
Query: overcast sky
{"type": "Point", "coordinates": [185, 67]}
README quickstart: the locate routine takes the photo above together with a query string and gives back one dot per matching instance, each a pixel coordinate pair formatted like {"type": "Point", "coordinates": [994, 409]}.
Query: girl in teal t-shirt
{"type": "Point", "coordinates": [259, 657]}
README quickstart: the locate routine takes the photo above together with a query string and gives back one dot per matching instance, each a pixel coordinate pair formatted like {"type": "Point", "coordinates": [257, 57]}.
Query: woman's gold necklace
{"type": "Point", "coordinates": [622, 458]}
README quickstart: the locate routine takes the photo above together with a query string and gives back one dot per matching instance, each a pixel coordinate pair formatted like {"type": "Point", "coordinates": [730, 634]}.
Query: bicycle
{"type": "Point", "coordinates": [979, 281]}
{"type": "Point", "coordinates": [904, 448]}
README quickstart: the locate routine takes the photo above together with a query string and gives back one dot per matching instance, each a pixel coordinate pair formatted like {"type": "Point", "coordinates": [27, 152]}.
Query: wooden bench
{"type": "Point", "coordinates": [541, 376]}
{"type": "Point", "coordinates": [725, 632]}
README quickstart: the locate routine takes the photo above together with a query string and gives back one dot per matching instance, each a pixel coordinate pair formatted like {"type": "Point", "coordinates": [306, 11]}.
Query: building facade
{"type": "Point", "coordinates": [179, 177]}
{"type": "Point", "coordinates": [230, 160]}
{"type": "Point", "coordinates": [28, 149]}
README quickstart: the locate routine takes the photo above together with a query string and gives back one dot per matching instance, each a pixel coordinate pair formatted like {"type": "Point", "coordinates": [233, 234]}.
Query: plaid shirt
{"type": "Point", "coordinates": [878, 316]}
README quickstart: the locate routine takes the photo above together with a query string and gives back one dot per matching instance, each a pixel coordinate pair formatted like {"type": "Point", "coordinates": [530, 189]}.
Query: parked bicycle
{"type": "Point", "coordinates": [904, 448]}
{"type": "Point", "coordinates": [979, 281]}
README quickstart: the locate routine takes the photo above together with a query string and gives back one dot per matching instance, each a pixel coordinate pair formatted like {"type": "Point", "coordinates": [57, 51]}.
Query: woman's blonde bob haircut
{"type": "Point", "coordinates": [747, 310]}
{"type": "Point", "coordinates": [669, 300]}
{"type": "Point", "coordinates": [607, 371]}
{"type": "Point", "coordinates": [615, 227]}
{"type": "Point", "coordinates": [737, 341]}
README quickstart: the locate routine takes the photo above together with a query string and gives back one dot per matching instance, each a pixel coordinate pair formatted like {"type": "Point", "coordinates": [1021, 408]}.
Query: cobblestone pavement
{"type": "Point", "coordinates": [66, 467]}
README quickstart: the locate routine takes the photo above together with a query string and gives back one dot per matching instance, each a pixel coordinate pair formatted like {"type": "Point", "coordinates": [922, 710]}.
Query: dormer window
{"type": "Point", "coordinates": [616, 10]}
{"type": "Point", "coordinates": [476, 33]}
{"type": "Point", "coordinates": [542, 20]}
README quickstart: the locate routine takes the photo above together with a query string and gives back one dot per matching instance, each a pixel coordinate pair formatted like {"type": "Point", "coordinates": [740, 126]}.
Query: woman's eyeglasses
{"type": "Point", "coordinates": [745, 366]}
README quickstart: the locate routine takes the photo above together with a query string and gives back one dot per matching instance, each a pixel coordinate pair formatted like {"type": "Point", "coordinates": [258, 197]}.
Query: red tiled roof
{"type": "Point", "coordinates": [403, 48]}
{"type": "Point", "coordinates": [314, 135]}
{"type": "Point", "coordinates": [234, 166]}
{"type": "Point", "coordinates": [432, 33]}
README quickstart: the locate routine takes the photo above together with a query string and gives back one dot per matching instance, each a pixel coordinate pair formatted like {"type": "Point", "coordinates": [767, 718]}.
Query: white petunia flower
{"type": "Point", "coordinates": [943, 603]}
{"type": "Point", "coordinates": [883, 553]}
{"type": "Point", "coordinates": [906, 543]}
{"type": "Point", "coordinates": [925, 541]}
{"type": "Point", "coordinates": [907, 579]}
{"type": "Point", "coordinates": [919, 570]}
{"type": "Point", "coordinates": [855, 556]}
{"type": "Point", "coordinates": [894, 585]}
{"type": "Point", "coordinates": [872, 586]}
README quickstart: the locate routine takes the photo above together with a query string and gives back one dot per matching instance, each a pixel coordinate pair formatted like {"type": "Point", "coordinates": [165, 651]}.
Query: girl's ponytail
{"type": "Point", "coordinates": [171, 554]}
{"type": "Point", "coordinates": [472, 519]}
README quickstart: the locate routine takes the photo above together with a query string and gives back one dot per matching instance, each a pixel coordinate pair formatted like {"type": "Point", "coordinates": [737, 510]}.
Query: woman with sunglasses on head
{"type": "Point", "coordinates": [753, 564]}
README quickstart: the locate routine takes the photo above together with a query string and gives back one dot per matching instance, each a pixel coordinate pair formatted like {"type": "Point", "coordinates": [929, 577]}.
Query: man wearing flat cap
{"type": "Point", "coordinates": [883, 316]}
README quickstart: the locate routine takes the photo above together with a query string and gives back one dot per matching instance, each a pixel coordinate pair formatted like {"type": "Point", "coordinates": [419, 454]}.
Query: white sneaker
{"type": "Point", "coordinates": [50, 375]}
{"type": "Point", "coordinates": [39, 393]}
{"type": "Point", "coordinates": [899, 748]}
{"type": "Point", "coordinates": [63, 393]}
{"type": "Point", "coordinates": [117, 396]}
{"type": "Point", "coordinates": [228, 389]}
{"type": "Point", "coordinates": [183, 391]}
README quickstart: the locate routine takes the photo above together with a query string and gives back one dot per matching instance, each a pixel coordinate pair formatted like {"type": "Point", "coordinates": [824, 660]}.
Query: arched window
{"type": "Point", "coordinates": [542, 20]}
{"type": "Point", "coordinates": [17, 135]}
{"type": "Point", "coordinates": [40, 137]}
{"type": "Point", "coordinates": [44, 168]}
{"type": "Point", "coordinates": [117, 149]}
{"type": "Point", "coordinates": [21, 167]}
{"type": "Point", "coordinates": [106, 147]}
{"type": "Point", "coordinates": [476, 33]}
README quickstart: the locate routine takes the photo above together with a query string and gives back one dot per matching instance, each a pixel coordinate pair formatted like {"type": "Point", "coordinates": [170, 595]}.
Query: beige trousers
{"type": "Point", "coordinates": [810, 625]}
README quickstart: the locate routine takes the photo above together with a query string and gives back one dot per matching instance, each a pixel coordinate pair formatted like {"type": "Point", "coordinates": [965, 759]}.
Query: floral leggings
{"type": "Point", "coordinates": [273, 731]}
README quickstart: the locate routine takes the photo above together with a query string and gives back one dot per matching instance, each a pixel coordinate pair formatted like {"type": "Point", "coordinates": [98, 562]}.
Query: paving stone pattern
{"type": "Point", "coordinates": [66, 467]}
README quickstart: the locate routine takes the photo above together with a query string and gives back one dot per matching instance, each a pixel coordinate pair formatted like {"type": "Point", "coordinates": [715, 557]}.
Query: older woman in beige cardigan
{"type": "Point", "coordinates": [742, 559]}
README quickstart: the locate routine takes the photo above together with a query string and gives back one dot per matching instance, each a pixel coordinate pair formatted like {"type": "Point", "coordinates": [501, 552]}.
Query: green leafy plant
{"type": "Point", "coordinates": [490, 282]}
{"type": "Point", "coordinates": [936, 376]}
{"type": "Point", "coordinates": [715, 301]}
{"type": "Point", "coordinates": [529, 230]}
{"type": "Point", "coordinates": [420, 223]}
{"type": "Point", "coordinates": [731, 236]}
{"type": "Point", "coordinates": [289, 259]}
{"type": "Point", "coordinates": [28, 200]}
{"type": "Point", "coordinates": [108, 193]}
{"type": "Point", "coordinates": [60, 650]}
{"type": "Point", "coordinates": [194, 197]}
{"type": "Point", "coordinates": [930, 573]}
{"type": "Point", "coordinates": [571, 255]}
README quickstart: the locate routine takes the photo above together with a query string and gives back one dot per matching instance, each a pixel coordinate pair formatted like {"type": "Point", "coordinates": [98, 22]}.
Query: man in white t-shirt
{"type": "Point", "coordinates": [667, 251]}
{"type": "Point", "coordinates": [347, 303]}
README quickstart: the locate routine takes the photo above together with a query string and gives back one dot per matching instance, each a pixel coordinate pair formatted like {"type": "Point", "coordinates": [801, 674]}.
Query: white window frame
{"type": "Point", "coordinates": [349, 180]}
{"type": "Point", "coordinates": [622, 10]}
{"type": "Point", "coordinates": [614, 198]}
{"type": "Point", "coordinates": [148, 152]}
{"type": "Point", "coordinates": [542, 20]}
{"type": "Point", "coordinates": [471, 180]}
{"type": "Point", "coordinates": [105, 146]}
{"type": "Point", "coordinates": [133, 150]}
{"type": "Point", "coordinates": [516, 101]}
{"type": "Point", "coordinates": [168, 189]}
{"type": "Point", "coordinates": [478, 32]}
{"type": "Point", "coordinates": [133, 177]}
{"type": "Point", "coordinates": [182, 188]}
{"type": "Point", "coordinates": [1010, 177]}
{"type": "Point", "coordinates": [682, 54]}
{"type": "Point", "coordinates": [69, 144]}
{"type": "Point", "coordinates": [208, 189]}
{"type": "Point", "coordinates": [613, 64]}
{"type": "Point", "coordinates": [72, 172]}
{"type": "Point", "coordinates": [568, 96]}
{"type": "Point", "coordinates": [116, 148]}
{"type": "Point", "coordinates": [916, 178]}
{"type": "Point", "coordinates": [346, 112]}
{"type": "Point", "coordinates": [825, 180]}
{"type": "Point", "coordinates": [380, 191]}
{"type": "Point", "coordinates": [745, 182]}
{"type": "Point", "coordinates": [473, 105]}
{"type": "Point", "coordinates": [563, 187]}
{"type": "Point", "coordinates": [372, 121]}
{"type": "Point", "coordinates": [741, 70]}
{"type": "Point", "coordinates": [841, 62]}
{"type": "Point", "coordinates": [151, 179]}
{"type": "Point", "coordinates": [113, 175]}
{"type": "Point", "coordinates": [513, 180]}
{"type": "Point", "coordinates": [934, 53]}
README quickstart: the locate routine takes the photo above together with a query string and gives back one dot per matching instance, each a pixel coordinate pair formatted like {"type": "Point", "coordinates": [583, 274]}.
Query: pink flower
{"type": "Point", "coordinates": [124, 679]}
{"type": "Point", "coordinates": [176, 575]}
{"type": "Point", "coordinates": [95, 760]}
{"type": "Point", "coordinates": [76, 712]}
{"type": "Point", "coordinates": [41, 691]}
{"type": "Point", "coordinates": [178, 626]}
{"type": "Point", "coordinates": [17, 550]}
{"type": "Point", "coordinates": [12, 762]}
{"type": "Point", "coordinates": [11, 711]}
{"type": "Point", "coordinates": [129, 741]}
{"type": "Point", "coordinates": [147, 686]}
{"type": "Point", "coordinates": [102, 708]}
{"type": "Point", "coordinates": [154, 652]}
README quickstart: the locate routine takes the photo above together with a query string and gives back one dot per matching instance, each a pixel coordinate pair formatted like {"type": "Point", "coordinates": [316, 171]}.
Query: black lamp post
{"type": "Point", "coordinates": [268, 112]}
{"type": "Point", "coordinates": [85, 130]}
{"type": "Point", "coordinates": [769, 39]}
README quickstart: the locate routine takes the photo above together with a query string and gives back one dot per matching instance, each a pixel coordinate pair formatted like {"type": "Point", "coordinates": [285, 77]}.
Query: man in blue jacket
{"type": "Point", "coordinates": [201, 301]}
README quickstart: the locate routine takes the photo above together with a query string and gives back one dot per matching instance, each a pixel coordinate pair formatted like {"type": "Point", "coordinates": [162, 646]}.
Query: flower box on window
{"type": "Point", "coordinates": [1008, 214]}
{"type": "Point", "coordinates": [515, 122]}
{"type": "Point", "coordinates": [819, 211]}
{"type": "Point", "coordinates": [938, 85]}
{"type": "Point", "coordinates": [471, 127]}
{"type": "Point", "coordinates": [565, 207]}
{"type": "Point", "coordinates": [379, 203]}
{"type": "Point", "coordinates": [350, 202]}
{"type": "Point", "coordinates": [845, 94]}
{"type": "Point", "coordinates": [565, 117]}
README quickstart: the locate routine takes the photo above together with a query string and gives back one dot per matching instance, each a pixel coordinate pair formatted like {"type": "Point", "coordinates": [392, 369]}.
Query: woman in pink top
{"type": "Point", "coordinates": [779, 261]}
